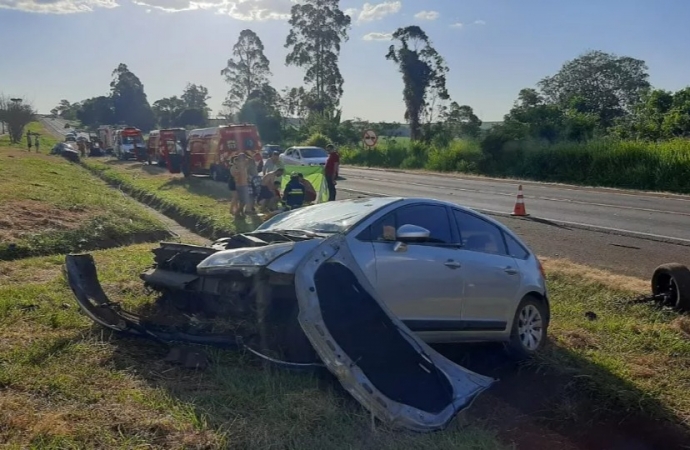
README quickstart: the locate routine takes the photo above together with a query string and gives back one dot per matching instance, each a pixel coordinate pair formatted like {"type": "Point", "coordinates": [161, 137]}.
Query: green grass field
{"type": "Point", "coordinates": [196, 202]}
{"type": "Point", "coordinates": [48, 205]}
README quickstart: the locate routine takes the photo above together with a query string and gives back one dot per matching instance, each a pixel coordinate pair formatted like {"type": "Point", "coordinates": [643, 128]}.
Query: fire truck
{"type": "Point", "coordinates": [210, 150]}
{"type": "Point", "coordinates": [166, 148]}
{"type": "Point", "coordinates": [106, 136]}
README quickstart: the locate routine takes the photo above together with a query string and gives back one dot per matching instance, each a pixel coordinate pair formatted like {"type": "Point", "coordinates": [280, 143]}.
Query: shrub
{"type": "Point", "coordinates": [317, 140]}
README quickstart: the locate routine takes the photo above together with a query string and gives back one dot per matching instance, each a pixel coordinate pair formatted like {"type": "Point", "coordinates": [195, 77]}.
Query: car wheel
{"type": "Point", "coordinates": [672, 283]}
{"type": "Point", "coordinates": [529, 331]}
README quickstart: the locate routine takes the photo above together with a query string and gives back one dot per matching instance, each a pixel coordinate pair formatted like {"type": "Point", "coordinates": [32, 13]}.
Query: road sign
{"type": "Point", "coordinates": [370, 138]}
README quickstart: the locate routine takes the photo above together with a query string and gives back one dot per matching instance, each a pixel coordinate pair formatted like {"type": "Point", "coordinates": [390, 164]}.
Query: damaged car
{"type": "Point", "coordinates": [360, 286]}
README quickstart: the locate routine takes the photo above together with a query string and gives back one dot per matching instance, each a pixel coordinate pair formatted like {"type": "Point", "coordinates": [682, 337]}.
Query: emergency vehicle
{"type": "Point", "coordinates": [166, 148]}
{"type": "Point", "coordinates": [129, 143]}
{"type": "Point", "coordinates": [106, 135]}
{"type": "Point", "coordinates": [209, 150]}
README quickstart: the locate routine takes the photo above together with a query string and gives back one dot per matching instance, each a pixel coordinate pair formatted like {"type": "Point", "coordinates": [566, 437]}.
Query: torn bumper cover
{"type": "Point", "coordinates": [378, 360]}
{"type": "Point", "coordinates": [328, 315]}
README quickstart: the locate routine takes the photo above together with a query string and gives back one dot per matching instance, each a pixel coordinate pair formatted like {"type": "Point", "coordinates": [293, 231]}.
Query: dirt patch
{"type": "Point", "coordinates": [591, 274]}
{"type": "Point", "coordinates": [535, 408]}
{"type": "Point", "coordinates": [19, 218]}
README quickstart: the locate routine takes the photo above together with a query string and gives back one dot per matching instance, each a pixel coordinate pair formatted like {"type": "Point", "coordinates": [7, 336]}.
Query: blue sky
{"type": "Point", "coordinates": [54, 49]}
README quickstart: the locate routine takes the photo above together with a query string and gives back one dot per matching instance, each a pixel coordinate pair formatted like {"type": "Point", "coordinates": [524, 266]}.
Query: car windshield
{"type": "Point", "coordinates": [132, 140]}
{"type": "Point", "coordinates": [313, 152]}
{"type": "Point", "coordinates": [330, 217]}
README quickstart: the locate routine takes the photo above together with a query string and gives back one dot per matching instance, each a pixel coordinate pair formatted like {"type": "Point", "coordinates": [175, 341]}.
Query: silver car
{"type": "Point", "coordinates": [449, 273]}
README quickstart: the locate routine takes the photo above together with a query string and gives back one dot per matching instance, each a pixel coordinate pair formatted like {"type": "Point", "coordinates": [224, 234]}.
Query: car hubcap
{"type": "Point", "coordinates": [530, 327]}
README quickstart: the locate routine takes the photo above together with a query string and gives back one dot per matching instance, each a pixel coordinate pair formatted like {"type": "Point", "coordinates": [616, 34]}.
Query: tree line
{"type": "Point", "coordinates": [595, 95]}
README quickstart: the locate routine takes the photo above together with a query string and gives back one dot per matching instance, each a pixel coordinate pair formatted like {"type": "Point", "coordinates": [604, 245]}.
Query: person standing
{"type": "Point", "coordinates": [241, 176]}
{"type": "Point", "coordinates": [330, 171]}
{"type": "Point", "coordinates": [28, 140]}
{"type": "Point", "coordinates": [37, 143]}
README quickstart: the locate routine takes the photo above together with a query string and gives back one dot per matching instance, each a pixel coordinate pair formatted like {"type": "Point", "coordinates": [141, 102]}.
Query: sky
{"type": "Point", "coordinates": [67, 49]}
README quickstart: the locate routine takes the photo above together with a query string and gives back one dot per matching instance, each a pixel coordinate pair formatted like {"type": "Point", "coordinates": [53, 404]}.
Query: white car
{"type": "Point", "coordinates": [304, 156]}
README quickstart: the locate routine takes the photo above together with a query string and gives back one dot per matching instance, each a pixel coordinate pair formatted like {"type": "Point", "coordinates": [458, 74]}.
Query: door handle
{"type": "Point", "coordinates": [510, 271]}
{"type": "Point", "coordinates": [452, 264]}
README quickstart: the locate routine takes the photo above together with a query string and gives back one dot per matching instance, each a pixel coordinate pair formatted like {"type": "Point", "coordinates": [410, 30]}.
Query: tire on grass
{"type": "Point", "coordinates": [673, 279]}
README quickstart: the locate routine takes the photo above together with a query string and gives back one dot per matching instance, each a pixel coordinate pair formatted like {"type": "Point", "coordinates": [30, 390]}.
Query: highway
{"type": "Point", "coordinates": [626, 232]}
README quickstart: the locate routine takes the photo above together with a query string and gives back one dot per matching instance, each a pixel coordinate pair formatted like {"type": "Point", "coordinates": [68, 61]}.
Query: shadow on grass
{"type": "Point", "coordinates": [576, 402]}
{"type": "Point", "coordinates": [204, 187]}
{"type": "Point", "coordinates": [571, 396]}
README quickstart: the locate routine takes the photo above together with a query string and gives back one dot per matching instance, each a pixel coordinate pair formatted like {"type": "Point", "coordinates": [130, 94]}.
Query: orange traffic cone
{"type": "Point", "coordinates": [519, 209]}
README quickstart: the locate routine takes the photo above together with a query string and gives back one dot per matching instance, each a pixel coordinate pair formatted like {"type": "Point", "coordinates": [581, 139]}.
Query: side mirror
{"type": "Point", "coordinates": [408, 233]}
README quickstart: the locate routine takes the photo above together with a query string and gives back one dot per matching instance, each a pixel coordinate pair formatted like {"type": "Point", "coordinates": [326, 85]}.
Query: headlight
{"type": "Point", "coordinates": [246, 260]}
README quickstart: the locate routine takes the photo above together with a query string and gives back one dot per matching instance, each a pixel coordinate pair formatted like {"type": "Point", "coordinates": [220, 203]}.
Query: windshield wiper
{"type": "Point", "coordinates": [293, 231]}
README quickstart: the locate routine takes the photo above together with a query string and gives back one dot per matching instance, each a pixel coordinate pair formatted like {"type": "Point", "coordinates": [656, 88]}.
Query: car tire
{"type": "Point", "coordinates": [528, 333]}
{"type": "Point", "coordinates": [673, 280]}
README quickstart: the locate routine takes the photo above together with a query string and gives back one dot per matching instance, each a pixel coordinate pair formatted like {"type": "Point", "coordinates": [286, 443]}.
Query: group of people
{"type": "Point", "coordinates": [253, 183]}
{"type": "Point", "coordinates": [36, 142]}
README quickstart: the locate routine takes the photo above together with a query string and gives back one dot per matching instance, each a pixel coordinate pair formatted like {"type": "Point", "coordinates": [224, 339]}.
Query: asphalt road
{"type": "Point", "coordinates": [626, 232]}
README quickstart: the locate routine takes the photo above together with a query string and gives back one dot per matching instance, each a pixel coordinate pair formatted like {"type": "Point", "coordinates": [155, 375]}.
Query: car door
{"type": "Point", "coordinates": [491, 277]}
{"type": "Point", "coordinates": [421, 284]}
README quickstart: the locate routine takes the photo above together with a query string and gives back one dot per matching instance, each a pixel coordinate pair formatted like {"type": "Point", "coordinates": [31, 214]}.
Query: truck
{"type": "Point", "coordinates": [209, 150]}
{"type": "Point", "coordinates": [129, 143]}
{"type": "Point", "coordinates": [106, 135]}
{"type": "Point", "coordinates": [166, 148]}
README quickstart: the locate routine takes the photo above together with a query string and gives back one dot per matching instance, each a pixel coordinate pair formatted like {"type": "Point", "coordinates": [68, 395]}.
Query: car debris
{"type": "Point", "coordinates": [324, 313]}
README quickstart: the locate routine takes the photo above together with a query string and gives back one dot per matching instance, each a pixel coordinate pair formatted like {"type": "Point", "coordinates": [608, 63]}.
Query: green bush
{"type": "Point", "coordinates": [663, 166]}
{"type": "Point", "coordinates": [317, 140]}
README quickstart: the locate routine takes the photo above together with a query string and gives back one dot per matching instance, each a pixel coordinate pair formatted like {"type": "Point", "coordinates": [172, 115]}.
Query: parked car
{"type": "Point", "coordinates": [304, 156]}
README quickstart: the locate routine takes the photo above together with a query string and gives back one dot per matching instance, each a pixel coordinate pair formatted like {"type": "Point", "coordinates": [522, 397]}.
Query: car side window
{"type": "Point", "coordinates": [432, 217]}
{"type": "Point", "coordinates": [478, 235]}
{"type": "Point", "coordinates": [515, 249]}
{"type": "Point", "coordinates": [381, 231]}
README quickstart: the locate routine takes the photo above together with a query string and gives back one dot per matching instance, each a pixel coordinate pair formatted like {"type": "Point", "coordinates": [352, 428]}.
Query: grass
{"type": "Point", "coordinates": [632, 358]}
{"type": "Point", "coordinates": [195, 202]}
{"type": "Point", "coordinates": [68, 384]}
{"type": "Point", "coordinates": [48, 205]}
{"type": "Point", "coordinates": [659, 166]}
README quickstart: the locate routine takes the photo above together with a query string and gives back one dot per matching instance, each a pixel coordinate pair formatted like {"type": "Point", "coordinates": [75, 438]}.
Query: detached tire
{"type": "Point", "coordinates": [673, 280]}
{"type": "Point", "coordinates": [528, 333]}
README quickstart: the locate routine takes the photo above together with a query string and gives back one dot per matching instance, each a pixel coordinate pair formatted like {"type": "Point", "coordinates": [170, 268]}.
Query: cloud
{"type": "Point", "coordinates": [378, 11]}
{"type": "Point", "coordinates": [479, 22]}
{"type": "Point", "coordinates": [246, 10]}
{"type": "Point", "coordinates": [258, 10]}
{"type": "Point", "coordinates": [427, 15]}
{"type": "Point", "coordinates": [57, 6]}
{"type": "Point", "coordinates": [457, 25]}
{"type": "Point", "coordinates": [378, 37]}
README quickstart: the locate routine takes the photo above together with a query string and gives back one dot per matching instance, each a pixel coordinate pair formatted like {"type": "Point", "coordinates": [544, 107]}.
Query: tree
{"type": "Point", "coordinates": [96, 111]}
{"type": "Point", "coordinates": [606, 85]}
{"type": "Point", "coordinates": [318, 29]}
{"type": "Point", "coordinates": [423, 70]}
{"type": "Point", "coordinates": [17, 113]}
{"type": "Point", "coordinates": [167, 110]}
{"type": "Point", "coordinates": [130, 105]}
{"type": "Point", "coordinates": [294, 102]}
{"type": "Point", "coordinates": [266, 119]}
{"type": "Point", "coordinates": [196, 97]}
{"type": "Point", "coordinates": [194, 117]}
{"type": "Point", "coordinates": [247, 71]}
{"type": "Point", "coordinates": [461, 121]}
